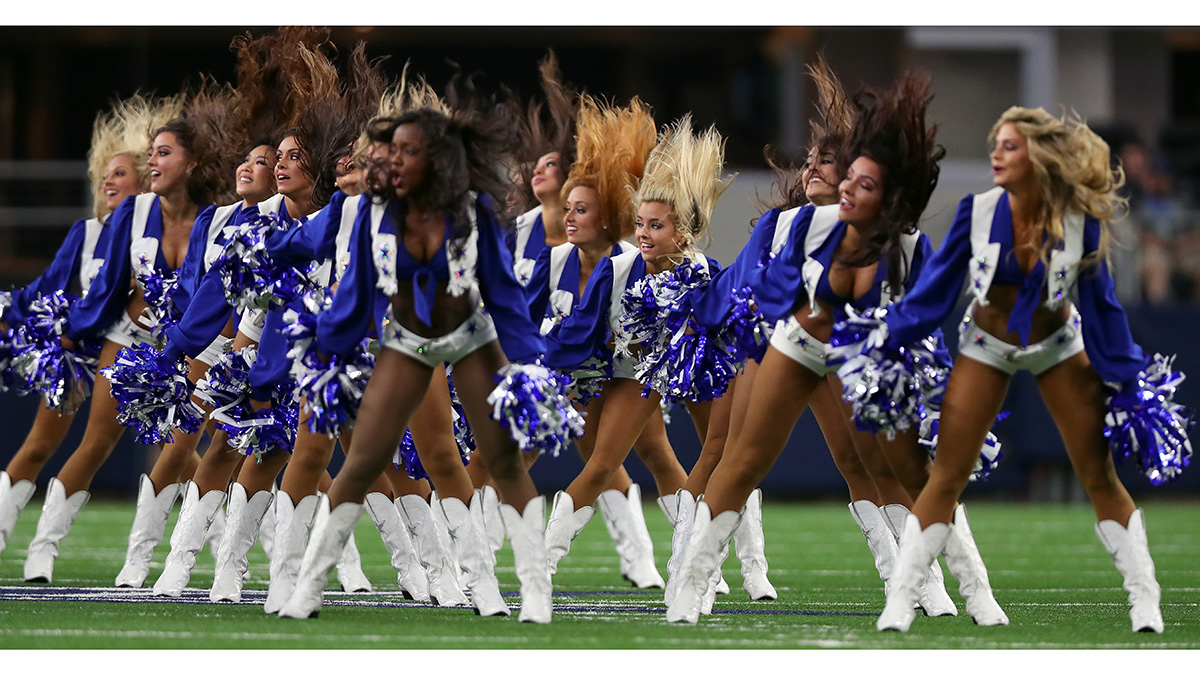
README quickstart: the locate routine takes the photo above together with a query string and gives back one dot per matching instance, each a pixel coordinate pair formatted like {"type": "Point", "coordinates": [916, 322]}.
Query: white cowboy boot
{"type": "Point", "coordinates": [349, 569]}
{"type": "Point", "coordinates": [680, 509]}
{"type": "Point", "coordinates": [493, 524]}
{"type": "Point", "coordinates": [934, 599]}
{"type": "Point", "coordinates": [215, 532]}
{"type": "Point", "coordinates": [965, 563]}
{"type": "Point", "coordinates": [918, 550]}
{"type": "Point", "coordinates": [709, 536]}
{"type": "Point", "coordinates": [58, 512]}
{"type": "Point", "coordinates": [329, 535]}
{"type": "Point", "coordinates": [880, 539]}
{"type": "Point", "coordinates": [149, 522]}
{"type": "Point", "coordinates": [266, 533]}
{"type": "Point", "coordinates": [750, 545]}
{"type": "Point", "coordinates": [626, 523]}
{"type": "Point", "coordinates": [13, 499]}
{"type": "Point", "coordinates": [292, 524]}
{"type": "Point", "coordinates": [474, 557]}
{"type": "Point", "coordinates": [526, 533]}
{"type": "Point", "coordinates": [1130, 551]}
{"type": "Point", "coordinates": [195, 518]}
{"type": "Point", "coordinates": [716, 582]}
{"type": "Point", "coordinates": [243, 521]}
{"type": "Point", "coordinates": [443, 533]}
{"type": "Point", "coordinates": [410, 576]}
{"type": "Point", "coordinates": [440, 572]}
{"type": "Point", "coordinates": [565, 524]}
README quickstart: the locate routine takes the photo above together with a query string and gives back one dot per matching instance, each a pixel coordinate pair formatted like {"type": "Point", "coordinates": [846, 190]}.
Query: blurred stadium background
{"type": "Point", "coordinates": [1138, 87]}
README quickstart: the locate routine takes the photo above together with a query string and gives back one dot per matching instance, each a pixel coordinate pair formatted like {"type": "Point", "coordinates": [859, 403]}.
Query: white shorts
{"type": "Point", "coordinates": [791, 340]}
{"type": "Point", "coordinates": [252, 323]}
{"type": "Point", "coordinates": [211, 353]}
{"type": "Point", "coordinates": [475, 332]}
{"type": "Point", "coordinates": [126, 332]}
{"type": "Point", "coordinates": [980, 345]}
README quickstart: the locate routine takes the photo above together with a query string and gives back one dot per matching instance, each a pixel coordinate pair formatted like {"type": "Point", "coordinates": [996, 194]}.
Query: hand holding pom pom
{"type": "Point", "coordinates": [530, 402]}
{"type": "Point", "coordinates": [1144, 421]}
{"type": "Point", "coordinates": [153, 394]}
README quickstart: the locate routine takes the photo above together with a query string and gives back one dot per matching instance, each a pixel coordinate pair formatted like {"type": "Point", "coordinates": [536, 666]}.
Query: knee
{"type": "Point", "coordinates": [507, 464]}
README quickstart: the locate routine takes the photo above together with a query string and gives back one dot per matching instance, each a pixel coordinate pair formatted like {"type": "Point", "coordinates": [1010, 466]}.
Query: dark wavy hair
{"type": "Point", "coordinates": [890, 129]}
{"type": "Point", "coordinates": [466, 150]}
{"type": "Point", "coordinates": [203, 130]}
{"type": "Point", "coordinates": [542, 135]}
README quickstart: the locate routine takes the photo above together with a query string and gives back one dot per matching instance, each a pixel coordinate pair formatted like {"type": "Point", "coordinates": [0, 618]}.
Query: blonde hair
{"type": "Point", "coordinates": [684, 173]}
{"type": "Point", "coordinates": [1071, 164]}
{"type": "Point", "coordinates": [126, 130]}
{"type": "Point", "coordinates": [612, 145]}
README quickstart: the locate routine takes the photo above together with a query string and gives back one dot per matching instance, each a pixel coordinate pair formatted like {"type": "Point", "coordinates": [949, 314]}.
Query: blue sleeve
{"type": "Point", "coordinates": [922, 253]}
{"type": "Point", "coordinates": [939, 282]}
{"type": "Point", "coordinates": [272, 365]}
{"type": "Point", "coordinates": [711, 304]}
{"type": "Point", "coordinates": [502, 294]}
{"type": "Point", "coordinates": [537, 291]}
{"type": "Point", "coordinates": [56, 277]}
{"type": "Point", "coordinates": [206, 316]}
{"type": "Point", "coordinates": [108, 295]}
{"type": "Point", "coordinates": [584, 332]}
{"type": "Point", "coordinates": [315, 239]}
{"type": "Point", "coordinates": [1106, 337]}
{"type": "Point", "coordinates": [354, 309]}
{"type": "Point", "coordinates": [778, 284]}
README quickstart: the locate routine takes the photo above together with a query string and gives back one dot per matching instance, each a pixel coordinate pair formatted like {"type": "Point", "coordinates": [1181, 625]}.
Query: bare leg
{"type": "Point", "coordinates": [49, 429]}
{"type": "Point", "coordinates": [309, 461]}
{"type": "Point", "coordinates": [102, 431]}
{"type": "Point", "coordinates": [432, 427]}
{"type": "Point", "coordinates": [780, 394]}
{"type": "Point", "coordinates": [1074, 395]}
{"type": "Point", "coordinates": [972, 400]}
{"type": "Point", "coordinates": [179, 456]}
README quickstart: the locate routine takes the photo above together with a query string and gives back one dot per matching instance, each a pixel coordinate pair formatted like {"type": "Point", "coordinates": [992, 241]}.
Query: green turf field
{"type": "Point", "coordinates": [1050, 572]}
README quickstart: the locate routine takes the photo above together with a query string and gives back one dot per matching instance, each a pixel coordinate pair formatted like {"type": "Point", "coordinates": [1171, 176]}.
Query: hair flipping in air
{"type": "Point", "coordinates": [890, 130]}
{"type": "Point", "coordinates": [125, 130]}
{"type": "Point", "coordinates": [612, 145]}
{"type": "Point", "coordinates": [204, 130]}
{"type": "Point", "coordinates": [543, 136]}
{"type": "Point", "coordinates": [829, 131]}
{"type": "Point", "coordinates": [1071, 165]}
{"type": "Point", "coordinates": [684, 173]}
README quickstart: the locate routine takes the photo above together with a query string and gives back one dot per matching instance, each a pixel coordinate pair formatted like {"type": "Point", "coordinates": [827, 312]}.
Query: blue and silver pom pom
{"type": "Point", "coordinates": [162, 293]}
{"type": "Point", "coordinates": [694, 365]}
{"type": "Point", "coordinates": [463, 436]}
{"type": "Point", "coordinates": [330, 387]}
{"type": "Point", "coordinates": [989, 455]}
{"type": "Point", "coordinates": [746, 332]}
{"type": "Point", "coordinates": [153, 395]}
{"type": "Point", "coordinates": [530, 401]}
{"type": "Point", "coordinates": [64, 377]}
{"type": "Point", "coordinates": [252, 278]}
{"type": "Point", "coordinates": [406, 458]}
{"type": "Point", "coordinates": [885, 388]}
{"type": "Point", "coordinates": [1145, 422]}
{"type": "Point", "coordinates": [658, 305]}
{"type": "Point", "coordinates": [226, 385]}
{"type": "Point", "coordinates": [262, 432]}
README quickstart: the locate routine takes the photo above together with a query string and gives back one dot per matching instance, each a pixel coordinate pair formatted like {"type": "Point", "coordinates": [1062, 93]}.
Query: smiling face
{"type": "Point", "coordinates": [169, 164]}
{"type": "Point", "coordinates": [255, 175]}
{"type": "Point", "coordinates": [1011, 166]}
{"type": "Point", "coordinates": [656, 233]}
{"type": "Point", "coordinates": [819, 175]}
{"type": "Point", "coordinates": [410, 161]}
{"type": "Point", "coordinates": [548, 178]}
{"type": "Point", "coordinates": [290, 179]}
{"type": "Point", "coordinates": [120, 181]}
{"type": "Point", "coordinates": [581, 216]}
{"type": "Point", "coordinates": [862, 193]}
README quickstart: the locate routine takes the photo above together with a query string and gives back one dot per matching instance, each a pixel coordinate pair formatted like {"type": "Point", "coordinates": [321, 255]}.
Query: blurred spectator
{"type": "Point", "coordinates": [1163, 224]}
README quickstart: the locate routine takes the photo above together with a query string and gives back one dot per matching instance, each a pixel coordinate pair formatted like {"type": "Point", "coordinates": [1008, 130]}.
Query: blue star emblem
{"type": "Point", "coordinates": [983, 264]}
{"type": "Point", "coordinates": [980, 340]}
{"type": "Point", "coordinates": [1062, 273]}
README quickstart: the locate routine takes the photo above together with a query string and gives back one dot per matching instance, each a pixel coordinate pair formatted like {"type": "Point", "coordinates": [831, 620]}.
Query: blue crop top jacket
{"type": "Point", "coordinates": [1106, 337]}
{"type": "Point", "coordinates": [359, 300]}
{"type": "Point", "coordinates": [75, 265]}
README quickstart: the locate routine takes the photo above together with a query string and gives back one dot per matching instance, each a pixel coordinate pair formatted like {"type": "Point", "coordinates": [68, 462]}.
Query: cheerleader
{"type": "Point", "coordinates": [147, 247]}
{"type": "Point", "coordinates": [856, 252]}
{"type": "Point", "coordinates": [268, 69]}
{"type": "Point", "coordinates": [428, 253]}
{"type": "Point", "coordinates": [117, 170]}
{"type": "Point", "coordinates": [1034, 252]}
{"type": "Point", "coordinates": [673, 204]}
